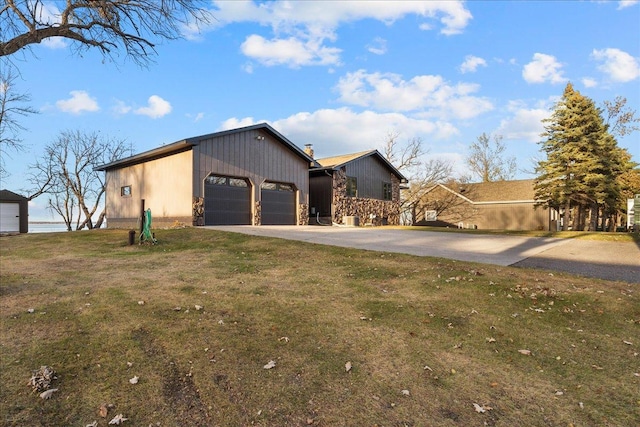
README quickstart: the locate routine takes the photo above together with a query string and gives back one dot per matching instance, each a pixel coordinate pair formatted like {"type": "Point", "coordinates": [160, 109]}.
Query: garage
{"type": "Point", "coordinates": [9, 217]}
{"type": "Point", "coordinates": [227, 201]}
{"type": "Point", "coordinates": [278, 203]}
{"type": "Point", "coordinates": [14, 212]}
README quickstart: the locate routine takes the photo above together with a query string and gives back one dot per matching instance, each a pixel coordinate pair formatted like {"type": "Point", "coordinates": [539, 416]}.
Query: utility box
{"type": "Point", "coordinates": [353, 221]}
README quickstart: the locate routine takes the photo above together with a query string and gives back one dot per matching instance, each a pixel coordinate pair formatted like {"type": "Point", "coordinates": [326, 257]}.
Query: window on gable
{"type": "Point", "coordinates": [387, 193]}
{"type": "Point", "coordinates": [352, 186]}
{"type": "Point", "coordinates": [125, 191]}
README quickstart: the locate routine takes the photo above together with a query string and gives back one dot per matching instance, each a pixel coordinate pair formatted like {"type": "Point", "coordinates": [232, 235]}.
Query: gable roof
{"type": "Point", "coordinates": [11, 196]}
{"type": "Point", "coordinates": [337, 162]}
{"type": "Point", "coordinates": [493, 192]}
{"type": "Point", "coordinates": [189, 143]}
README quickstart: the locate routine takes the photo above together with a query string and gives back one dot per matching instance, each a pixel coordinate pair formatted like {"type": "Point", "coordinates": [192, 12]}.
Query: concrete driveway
{"type": "Point", "coordinates": [605, 260]}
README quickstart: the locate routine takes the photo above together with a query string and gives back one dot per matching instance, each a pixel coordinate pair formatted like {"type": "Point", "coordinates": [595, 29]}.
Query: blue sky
{"type": "Point", "coordinates": [342, 75]}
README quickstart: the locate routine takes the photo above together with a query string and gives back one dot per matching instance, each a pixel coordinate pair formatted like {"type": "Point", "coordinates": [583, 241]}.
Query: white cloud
{"type": "Point", "coordinates": [543, 68]}
{"type": "Point", "coordinates": [617, 64]}
{"type": "Point", "coordinates": [378, 46]}
{"type": "Point", "coordinates": [156, 108]}
{"type": "Point", "coordinates": [234, 123]}
{"type": "Point", "coordinates": [301, 30]}
{"type": "Point", "coordinates": [79, 102]}
{"type": "Point", "coordinates": [589, 82]}
{"type": "Point", "coordinates": [120, 107]}
{"type": "Point", "coordinates": [471, 64]}
{"type": "Point", "coordinates": [524, 123]}
{"type": "Point", "coordinates": [427, 94]}
{"type": "Point", "coordinates": [54, 42]}
{"type": "Point", "coordinates": [343, 130]}
{"type": "Point", "coordinates": [623, 4]}
{"type": "Point", "coordinates": [292, 51]}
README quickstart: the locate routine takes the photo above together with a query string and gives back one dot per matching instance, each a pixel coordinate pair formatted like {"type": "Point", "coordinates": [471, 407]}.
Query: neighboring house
{"type": "Point", "coordinates": [363, 185]}
{"type": "Point", "coordinates": [502, 205]}
{"type": "Point", "coordinates": [252, 175]}
{"type": "Point", "coordinates": [14, 213]}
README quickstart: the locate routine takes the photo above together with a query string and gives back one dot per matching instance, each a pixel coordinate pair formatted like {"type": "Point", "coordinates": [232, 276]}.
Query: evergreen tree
{"type": "Point", "coordinates": [582, 162]}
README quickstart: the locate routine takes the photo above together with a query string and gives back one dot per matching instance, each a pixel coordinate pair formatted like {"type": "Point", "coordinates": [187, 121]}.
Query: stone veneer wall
{"type": "Point", "coordinates": [257, 218]}
{"type": "Point", "coordinates": [363, 207]}
{"type": "Point", "coordinates": [303, 214]}
{"type": "Point", "coordinates": [198, 211]}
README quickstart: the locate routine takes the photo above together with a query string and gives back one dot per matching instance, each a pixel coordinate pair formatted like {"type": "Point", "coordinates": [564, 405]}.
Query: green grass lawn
{"type": "Point", "coordinates": [198, 317]}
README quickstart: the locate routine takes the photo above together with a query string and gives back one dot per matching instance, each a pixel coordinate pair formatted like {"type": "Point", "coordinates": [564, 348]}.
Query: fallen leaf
{"type": "Point", "coordinates": [271, 364]}
{"type": "Point", "coordinates": [47, 394]}
{"type": "Point", "coordinates": [628, 342]}
{"type": "Point", "coordinates": [491, 339]}
{"type": "Point", "coordinates": [406, 393]}
{"type": "Point", "coordinates": [140, 302]}
{"type": "Point", "coordinates": [117, 420]}
{"type": "Point", "coordinates": [93, 424]}
{"type": "Point", "coordinates": [525, 352]}
{"type": "Point", "coordinates": [198, 307]}
{"type": "Point", "coordinates": [134, 380]}
{"type": "Point", "coordinates": [103, 411]}
{"type": "Point", "coordinates": [427, 368]}
{"type": "Point", "coordinates": [285, 339]}
{"type": "Point", "coordinates": [597, 368]}
{"type": "Point", "coordinates": [479, 409]}
{"type": "Point", "coordinates": [347, 366]}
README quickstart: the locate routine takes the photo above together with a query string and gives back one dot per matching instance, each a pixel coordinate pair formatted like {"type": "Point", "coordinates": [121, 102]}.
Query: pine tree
{"type": "Point", "coordinates": [582, 162]}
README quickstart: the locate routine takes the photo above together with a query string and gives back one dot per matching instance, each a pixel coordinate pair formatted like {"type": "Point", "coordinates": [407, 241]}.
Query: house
{"type": "Point", "coordinates": [14, 213]}
{"type": "Point", "coordinates": [359, 188]}
{"type": "Point", "coordinates": [502, 205]}
{"type": "Point", "coordinates": [251, 175]}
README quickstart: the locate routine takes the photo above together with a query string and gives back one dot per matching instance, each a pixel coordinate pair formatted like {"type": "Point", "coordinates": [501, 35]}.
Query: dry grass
{"type": "Point", "coordinates": [446, 332]}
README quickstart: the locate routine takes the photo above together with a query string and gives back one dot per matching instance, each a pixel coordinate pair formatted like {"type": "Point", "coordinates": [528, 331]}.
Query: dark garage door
{"type": "Point", "coordinates": [278, 204]}
{"type": "Point", "coordinates": [227, 201]}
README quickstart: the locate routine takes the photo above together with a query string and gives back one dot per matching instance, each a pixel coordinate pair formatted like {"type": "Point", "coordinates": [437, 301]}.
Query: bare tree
{"type": "Point", "coordinates": [107, 25]}
{"type": "Point", "coordinates": [13, 105]}
{"type": "Point", "coordinates": [621, 120]}
{"type": "Point", "coordinates": [422, 175]}
{"type": "Point", "coordinates": [66, 173]}
{"type": "Point", "coordinates": [487, 161]}
{"type": "Point", "coordinates": [405, 156]}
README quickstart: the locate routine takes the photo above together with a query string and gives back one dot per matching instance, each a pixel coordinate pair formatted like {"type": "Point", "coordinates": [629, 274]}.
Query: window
{"type": "Point", "coordinates": [276, 186]}
{"type": "Point", "coordinates": [125, 191]}
{"type": "Point", "coordinates": [387, 193]}
{"type": "Point", "coordinates": [217, 180]}
{"type": "Point", "coordinates": [237, 182]}
{"type": "Point", "coordinates": [269, 186]}
{"type": "Point", "coordinates": [352, 186]}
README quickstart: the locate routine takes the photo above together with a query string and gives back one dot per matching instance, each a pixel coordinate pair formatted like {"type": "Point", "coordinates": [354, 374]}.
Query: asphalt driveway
{"type": "Point", "coordinates": [604, 260]}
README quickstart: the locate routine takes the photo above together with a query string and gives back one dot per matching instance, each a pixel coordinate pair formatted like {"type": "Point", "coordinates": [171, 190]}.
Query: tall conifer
{"type": "Point", "coordinates": [582, 161]}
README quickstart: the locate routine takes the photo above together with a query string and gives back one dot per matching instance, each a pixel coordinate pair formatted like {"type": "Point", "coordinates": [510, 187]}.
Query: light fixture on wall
{"type": "Point", "coordinates": [260, 138]}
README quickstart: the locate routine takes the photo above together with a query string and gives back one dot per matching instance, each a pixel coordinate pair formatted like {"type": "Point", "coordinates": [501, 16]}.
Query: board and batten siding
{"type": "Point", "coordinates": [165, 184]}
{"type": "Point", "coordinates": [370, 173]}
{"type": "Point", "coordinates": [255, 155]}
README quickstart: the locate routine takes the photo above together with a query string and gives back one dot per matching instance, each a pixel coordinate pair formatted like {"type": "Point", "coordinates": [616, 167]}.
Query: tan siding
{"type": "Point", "coordinates": [165, 184]}
{"type": "Point", "coordinates": [521, 216]}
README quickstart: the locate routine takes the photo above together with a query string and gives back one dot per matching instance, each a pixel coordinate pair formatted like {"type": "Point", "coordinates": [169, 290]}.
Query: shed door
{"type": "Point", "coordinates": [9, 217]}
{"type": "Point", "coordinates": [278, 204]}
{"type": "Point", "coordinates": [227, 201]}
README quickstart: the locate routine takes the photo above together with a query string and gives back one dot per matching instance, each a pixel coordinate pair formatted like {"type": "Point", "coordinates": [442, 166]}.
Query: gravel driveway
{"type": "Point", "coordinates": [604, 260]}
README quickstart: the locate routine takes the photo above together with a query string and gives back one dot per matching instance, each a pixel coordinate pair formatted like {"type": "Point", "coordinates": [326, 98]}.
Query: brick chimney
{"type": "Point", "coordinates": [308, 149]}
